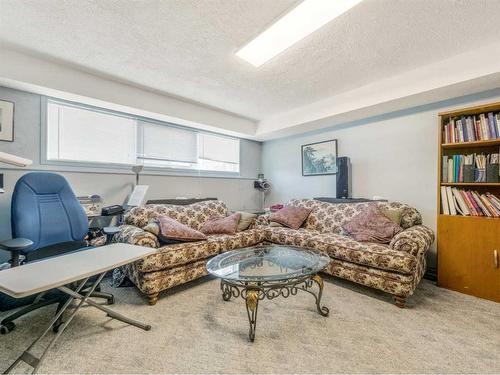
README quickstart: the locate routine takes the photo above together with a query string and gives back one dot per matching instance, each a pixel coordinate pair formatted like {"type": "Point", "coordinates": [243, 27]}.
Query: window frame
{"type": "Point", "coordinates": [121, 167]}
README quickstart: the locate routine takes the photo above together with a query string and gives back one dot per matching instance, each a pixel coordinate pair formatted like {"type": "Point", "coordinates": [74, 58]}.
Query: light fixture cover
{"type": "Point", "coordinates": [304, 19]}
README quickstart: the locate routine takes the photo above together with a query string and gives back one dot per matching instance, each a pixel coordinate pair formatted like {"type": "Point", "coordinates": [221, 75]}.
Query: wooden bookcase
{"type": "Point", "coordinates": [468, 247]}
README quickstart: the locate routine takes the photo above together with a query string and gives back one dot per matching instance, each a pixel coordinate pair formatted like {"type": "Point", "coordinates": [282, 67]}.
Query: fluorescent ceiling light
{"type": "Point", "coordinates": [294, 26]}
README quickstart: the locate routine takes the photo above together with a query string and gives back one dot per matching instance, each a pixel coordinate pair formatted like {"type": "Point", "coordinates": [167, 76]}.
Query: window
{"type": "Point", "coordinates": [76, 134]}
{"type": "Point", "coordinates": [216, 153]}
{"type": "Point", "coordinates": [80, 134]}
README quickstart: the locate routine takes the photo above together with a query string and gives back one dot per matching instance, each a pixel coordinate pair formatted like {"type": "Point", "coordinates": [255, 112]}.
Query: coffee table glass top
{"type": "Point", "coordinates": [267, 263]}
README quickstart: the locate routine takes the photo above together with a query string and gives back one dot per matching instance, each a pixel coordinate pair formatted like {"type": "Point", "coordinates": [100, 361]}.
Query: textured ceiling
{"type": "Point", "coordinates": [186, 47]}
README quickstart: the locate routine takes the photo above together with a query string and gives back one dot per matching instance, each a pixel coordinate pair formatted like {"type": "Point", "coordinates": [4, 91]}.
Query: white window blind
{"type": "Point", "coordinates": [218, 153]}
{"type": "Point", "coordinates": [85, 135]}
{"type": "Point", "coordinates": [76, 133]}
{"type": "Point", "coordinates": [169, 144]}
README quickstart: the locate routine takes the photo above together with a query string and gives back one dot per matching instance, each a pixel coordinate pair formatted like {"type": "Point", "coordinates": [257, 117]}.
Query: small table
{"type": "Point", "coordinates": [269, 271]}
{"type": "Point", "coordinates": [61, 271]}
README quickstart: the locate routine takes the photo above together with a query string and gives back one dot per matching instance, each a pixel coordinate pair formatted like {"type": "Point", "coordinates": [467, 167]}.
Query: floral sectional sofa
{"type": "Point", "coordinates": [395, 268]}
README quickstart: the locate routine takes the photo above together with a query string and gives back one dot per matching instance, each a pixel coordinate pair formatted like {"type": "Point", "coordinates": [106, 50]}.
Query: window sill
{"type": "Point", "coordinates": [52, 166]}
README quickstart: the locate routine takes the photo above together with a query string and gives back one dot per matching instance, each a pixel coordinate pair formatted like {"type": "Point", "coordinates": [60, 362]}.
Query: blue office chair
{"type": "Point", "coordinates": [47, 220]}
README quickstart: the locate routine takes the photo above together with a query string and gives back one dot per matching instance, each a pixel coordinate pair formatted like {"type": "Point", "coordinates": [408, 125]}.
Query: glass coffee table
{"type": "Point", "coordinates": [269, 271]}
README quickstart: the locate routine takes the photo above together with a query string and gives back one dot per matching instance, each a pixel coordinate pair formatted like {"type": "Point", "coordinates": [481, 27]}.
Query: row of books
{"type": "Point", "coordinates": [472, 128]}
{"type": "Point", "coordinates": [468, 203]}
{"type": "Point", "coordinates": [471, 168]}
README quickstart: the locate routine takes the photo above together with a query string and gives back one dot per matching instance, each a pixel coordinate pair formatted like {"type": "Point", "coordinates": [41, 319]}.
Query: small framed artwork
{"type": "Point", "coordinates": [6, 121]}
{"type": "Point", "coordinates": [319, 158]}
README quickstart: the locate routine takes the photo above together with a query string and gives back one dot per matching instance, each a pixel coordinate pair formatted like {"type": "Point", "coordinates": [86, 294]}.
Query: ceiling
{"type": "Point", "coordinates": [185, 48]}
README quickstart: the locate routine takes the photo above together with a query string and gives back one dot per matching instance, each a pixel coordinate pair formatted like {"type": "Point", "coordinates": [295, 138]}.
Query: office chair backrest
{"type": "Point", "coordinates": [46, 211]}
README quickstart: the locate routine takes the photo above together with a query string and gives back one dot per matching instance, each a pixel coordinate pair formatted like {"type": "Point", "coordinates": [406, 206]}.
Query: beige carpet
{"type": "Point", "coordinates": [194, 331]}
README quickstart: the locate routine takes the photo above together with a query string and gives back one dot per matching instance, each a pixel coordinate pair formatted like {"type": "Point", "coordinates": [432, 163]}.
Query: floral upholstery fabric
{"type": "Point", "coordinates": [390, 282]}
{"type": "Point", "coordinates": [369, 254]}
{"type": "Point", "coordinates": [250, 237]}
{"type": "Point", "coordinates": [415, 240]}
{"type": "Point", "coordinates": [155, 282]}
{"type": "Point", "coordinates": [329, 217]}
{"type": "Point", "coordinates": [286, 236]}
{"type": "Point", "coordinates": [169, 256]}
{"type": "Point", "coordinates": [136, 236]}
{"type": "Point", "coordinates": [194, 215]}
{"type": "Point", "coordinates": [342, 247]}
{"type": "Point", "coordinates": [395, 268]}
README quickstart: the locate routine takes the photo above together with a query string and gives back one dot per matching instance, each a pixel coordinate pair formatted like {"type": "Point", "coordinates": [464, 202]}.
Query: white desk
{"type": "Point", "coordinates": [57, 272]}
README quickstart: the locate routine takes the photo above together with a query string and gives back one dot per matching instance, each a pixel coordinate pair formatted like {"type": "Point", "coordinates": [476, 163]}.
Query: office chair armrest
{"type": "Point", "coordinates": [111, 230]}
{"type": "Point", "coordinates": [15, 246]}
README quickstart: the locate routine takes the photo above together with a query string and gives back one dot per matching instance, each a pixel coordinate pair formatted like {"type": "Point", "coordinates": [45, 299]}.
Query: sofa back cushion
{"type": "Point", "coordinates": [330, 217]}
{"type": "Point", "coordinates": [193, 215]}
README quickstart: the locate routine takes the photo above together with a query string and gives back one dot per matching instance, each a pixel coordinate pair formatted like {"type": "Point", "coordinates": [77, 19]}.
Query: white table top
{"type": "Point", "coordinates": [52, 273]}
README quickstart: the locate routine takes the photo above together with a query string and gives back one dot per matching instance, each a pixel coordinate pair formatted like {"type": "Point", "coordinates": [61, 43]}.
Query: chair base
{"type": "Point", "coordinates": [7, 324]}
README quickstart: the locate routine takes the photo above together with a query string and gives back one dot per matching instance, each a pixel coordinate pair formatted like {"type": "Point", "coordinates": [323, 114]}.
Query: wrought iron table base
{"type": "Point", "coordinates": [253, 292]}
{"type": "Point", "coordinates": [34, 361]}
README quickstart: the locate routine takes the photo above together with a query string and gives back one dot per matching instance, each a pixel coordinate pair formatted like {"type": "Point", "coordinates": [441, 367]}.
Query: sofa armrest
{"type": "Point", "coordinates": [136, 236]}
{"type": "Point", "coordinates": [415, 240]}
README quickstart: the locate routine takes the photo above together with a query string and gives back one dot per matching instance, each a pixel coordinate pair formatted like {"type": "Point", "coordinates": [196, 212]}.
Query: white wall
{"type": "Point", "coordinates": [115, 185]}
{"type": "Point", "coordinates": [394, 156]}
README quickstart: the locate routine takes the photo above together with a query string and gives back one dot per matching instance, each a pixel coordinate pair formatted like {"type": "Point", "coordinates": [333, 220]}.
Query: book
{"type": "Point", "coordinates": [484, 126]}
{"type": "Point", "coordinates": [460, 204]}
{"type": "Point", "coordinates": [469, 204]}
{"type": "Point", "coordinates": [492, 127]}
{"type": "Point", "coordinates": [450, 170]}
{"type": "Point", "coordinates": [483, 208]}
{"type": "Point", "coordinates": [451, 201]}
{"type": "Point", "coordinates": [444, 201]}
{"type": "Point", "coordinates": [489, 206]}
{"type": "Point", "coordinates": [444, 166]}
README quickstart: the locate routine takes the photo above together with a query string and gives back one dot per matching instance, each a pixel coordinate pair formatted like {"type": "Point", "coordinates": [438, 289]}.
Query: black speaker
{"type": "Point", "coordinates": [343, 177]}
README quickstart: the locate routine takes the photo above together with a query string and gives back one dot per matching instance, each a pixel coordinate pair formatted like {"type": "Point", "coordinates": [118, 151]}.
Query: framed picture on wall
{"type": "Point", "coordinates": [6, 121]}
{"type": "Point", "coordinates": [319, 158]}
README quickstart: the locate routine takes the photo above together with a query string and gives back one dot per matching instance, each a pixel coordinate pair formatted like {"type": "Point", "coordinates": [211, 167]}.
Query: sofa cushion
{"type": "Point", "coordinates": [371, 225]}
{"type": "Point", "coordinates": [364, 253]}
{"type": "Point", "coordinates": [222, 225]}
{"type": "Point", "coordinates": [290, 216]}
{"type": "Point", "coordinates": [169, 256]}
{"type": "Point", "coordinates": [287, 236]}
{"type": "Point", "coordinates": [193, 215]}
{"type": "Point", "coordinates": [247, 238]}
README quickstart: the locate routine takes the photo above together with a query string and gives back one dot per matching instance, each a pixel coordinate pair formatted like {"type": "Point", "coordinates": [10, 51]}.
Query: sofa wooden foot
{"type": "Point", "coordinates": [400, 301]}
{"type": "Point", "coordinates": [153, 298]}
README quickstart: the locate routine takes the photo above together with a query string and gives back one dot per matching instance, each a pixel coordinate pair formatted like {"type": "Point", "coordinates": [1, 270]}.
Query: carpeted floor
{"type": "Point", "coordinates": [195, 331]}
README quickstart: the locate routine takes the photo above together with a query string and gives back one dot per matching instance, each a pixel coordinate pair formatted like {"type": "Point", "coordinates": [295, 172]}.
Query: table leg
{"type": "Point", "coordinates": [35, 362]}
{"type": "Point", "coordinates": [252, 304]}
{"type": "Point", "coordinates": [323, 310]}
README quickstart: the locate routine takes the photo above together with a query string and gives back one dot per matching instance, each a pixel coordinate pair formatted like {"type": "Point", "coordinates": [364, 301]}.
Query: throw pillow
{"type": "Point", "coordinates": [371, 225]}
{"type": "Point", "coordinates": [222, 225]}
{"type": "Point", "coordinates": [290, 216]}
{"type": "Point", "coordinates": [246, 220]}
{"type": "Point", "coordinates": [393, 214]}
{"type": "Point", "coordinates": [171, 231]}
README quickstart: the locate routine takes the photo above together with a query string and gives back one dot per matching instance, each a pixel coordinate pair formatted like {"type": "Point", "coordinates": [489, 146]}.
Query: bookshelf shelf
{"type": "Point", "coordinates": [491, 142]}
{"type": "Point", "coordinates": [470, 183]}
{"type": "Point", "coordinates": [468, 247]}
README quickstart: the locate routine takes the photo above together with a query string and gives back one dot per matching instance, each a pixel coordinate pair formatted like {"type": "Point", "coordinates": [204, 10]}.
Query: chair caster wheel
{"type": "Point", "coordinates": [55, 327]}
{"type": "Point", "coordinates": [7, 327]}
